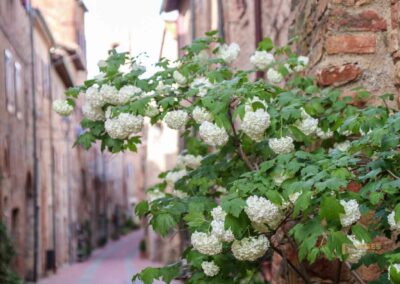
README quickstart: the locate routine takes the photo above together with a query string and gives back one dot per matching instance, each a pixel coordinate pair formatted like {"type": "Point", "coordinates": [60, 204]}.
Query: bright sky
{"type": "Point", "coordinates": [133, 24]}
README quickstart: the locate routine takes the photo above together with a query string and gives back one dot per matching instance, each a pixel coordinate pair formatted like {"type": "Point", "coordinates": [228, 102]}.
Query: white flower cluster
{"type": "Point", "coordinates": [109, 94]}
{"type": "Point", "coordinates": [228, 53]}
{"type": "Point", "coordinates": [179, 193]}
{"type": "Point", "coordinates": [394, 226]}
{"type": "Point", "coordinates": [343, 146]}
{"type": "Point", "coordinates": [250, 249]}
{"type": "Point", "coordinates": [218, 225]}
{"type": "Point", "coordinates": [189, 161]}
{"type": "Point", "coordinates": [202, 84]}
{"type": "Point", "coordinates": [212, 134]}
{"type": "Point", "coordinates": [206, 243]}
{"type": "Point", "coordinates": [282, 145]}
{"type": "Point", "coordinates": [92, 113]}
{"type": "Point", "coordinates": [274, 76]}
{"type": "Point", "coordinates": [179, 78]}
{"type": "Point", "coordinates": [324, 135]}
{"type": "Point", "coordinates": [176, 119]}
{"type": "Point", "coordinates": [123, 125]}
{"type": "Point", "coordinates": [155, 194]}
{"type": "Point", "coordinates": [62, 107]}
{"type": "Point", "coordinates": [172, 177]}
{"type": "Point", "coordinates": [152, 109]}
{"type": "Point", "coordinates": [262, 59]}
{"type": "Point", "coordinates": [302, 62]}
{"type": "Point", "coordinates": [127, 93]}
{"type": "Point", "coordinates": [279, 178]}
{"type": "Point", "coordinates": [351, 212]}
{"type": "Point", "coordinates": [210, 268]}
{"type": "Point", "coordinates": [294, 196]}
{"type": "Point", "coordinates": [356, 251]}
{"type": "Point", "coordinates": [249, 104]}
{"type": "Point", "coordinates": [162, 89]}
{"type": "Point", "coordinates": [255, 123]}
{"type": "Point", "coordinates": [201, 57]}
{"type": "Point", "coordinates": [262, 211]}
{"type": "Point", "coordinates": [200, 115]}
{"type": "Point", "coordinates": [394, 273]}
{"type": "Point", "coordinates": [308, 125]}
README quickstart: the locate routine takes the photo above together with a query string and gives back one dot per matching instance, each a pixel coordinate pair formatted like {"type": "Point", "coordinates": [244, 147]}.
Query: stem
{"type": "Point", "coordinates": [338, 272]}
{"type": "Point", "coordinates": [392, 174]}
{"type": "Point", "coordinates": [295, 269]}
{"type": "Point", "coordinates": [241, 153]}
{"type": "Point", "coordinates": [355, 274]}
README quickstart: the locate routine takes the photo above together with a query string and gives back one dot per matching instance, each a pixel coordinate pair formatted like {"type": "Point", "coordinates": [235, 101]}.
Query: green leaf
{"type": "Point", "coordinates": [266, 44]}
{"type": "Point", "coordinates": [194, 218]}
{"type": "Point", "coordinates": [163, 223]}
{"type": "Point", "coordinates": [166, 274]}
{"type": "Point", "coordinates": [142, 208]}
{"type": "Point", "coordinates": [239, 225]}
{"type": "Point", "coordinates": [233, 206]}
{"type": "Point", "coordinates": [331, 210]}
{"type": "Point", "coordinates": [361, 233]}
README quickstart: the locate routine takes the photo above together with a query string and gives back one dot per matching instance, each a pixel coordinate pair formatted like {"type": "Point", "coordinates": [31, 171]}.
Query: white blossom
{"type": "Point", "coordinates": [200, 115]}
{"type": "Point", "coordinates": [122, 126]}
{"type": "Point", "coordinates": [210, 268]}
{"type": "Point", "coordinates": [212, 134]}
{"type": "Point", "coordinates": [221, 189]}
{"type": "Point", "coordinates": [308, 125]}
{"type": "Point", "coordinates": [62, 107]}
{"type": "Point", "coordinates": [179, 78]}
{"type": "Point", "coordinates": [172, 177]}
{"type": "Point", "coordinates": [351, 212]}
{"type": "Point", "coordinates": [274, 76]}
{"type": "Point", "coordinates": [324, 135]}
{"type": "Point", "coordinates": [109, 94]}
{"type": "Point", "coordinates": [155, 194]}
{"type": "Point", "coordinates": [343, 146]}
{"type": "Point", "coordinates": [176, 119]}
{"type": "Point", "coordinates": [190, 161]}
{"type": "Point", "coordinates": [228, 53]}
{"type": "Point", "coordinates": [282, 145]}
{"type": "Point", "coordinates": [151, 109]}
{"type": "Point", "coordinates": [162, 89]}
{"type": "Point", "coordinates": [201, 57]}
{"type": "Point", "coordinates": [302, 62]}
{"type": "Point", "coordinates": [249, 104]}
{"type": "Point", "coordinates": [179, 193]}
{"type": "Point", "coordinates": [102, 63]}
{"type": "Point", "coordinates": [355, 251]}
{"type": "Point", "coordinates": [218, 225]}
{"type": "Point", "coordinates": [218, 214]}
{"type": "Point", "coordinates": [279, 178]}
{"type": "Point", "coordinates": [94, 97]}
{"type": "Point", "coordinates": [394, 226]}
{"type": "Point", "coordinates": [100, 76]}
{"type": "Point", "coordinates": [202, 84]}
{"type": "Point", "coordinates": [262, 59]}
{"type": "Point", "coordinates": [294, 196]}
{"type": "Point", "coordinates": [261, 210]}
{"type": "Point", "coordinates": [250, 249]}
{"type": "Point", "coordinates": [206, 243]}
{"type": "Point", "coordinates": [288, 68]}
{"type": "Point", "coordinates": [92, 112]}
{"type": "Point", "coordinates": [127, 93]}
{"type": "Point", "coordinates": [255, 123]}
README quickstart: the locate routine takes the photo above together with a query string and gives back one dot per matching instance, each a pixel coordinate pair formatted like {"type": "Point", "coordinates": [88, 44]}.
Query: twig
{"type": "Point", "coordinates": [355, 274]}
{"type": "Point", "coordinates": [392, 174]}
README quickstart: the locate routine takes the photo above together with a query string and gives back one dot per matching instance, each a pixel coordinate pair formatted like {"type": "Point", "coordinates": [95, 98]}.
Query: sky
{"type": "Point", "coordinates": [136, 25]}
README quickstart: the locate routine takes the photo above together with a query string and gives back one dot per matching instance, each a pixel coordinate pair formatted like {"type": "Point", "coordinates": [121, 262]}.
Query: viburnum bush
{"type": "Point", "coordinates": [267, 163]}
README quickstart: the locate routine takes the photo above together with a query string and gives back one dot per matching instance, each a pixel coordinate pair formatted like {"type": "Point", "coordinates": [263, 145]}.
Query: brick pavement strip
{"type": "Point", "coordinates": [114, 264]}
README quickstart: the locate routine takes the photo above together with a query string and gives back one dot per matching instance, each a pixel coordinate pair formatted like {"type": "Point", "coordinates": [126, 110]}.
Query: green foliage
{"type": "Point", "coordinates": [7, 252]}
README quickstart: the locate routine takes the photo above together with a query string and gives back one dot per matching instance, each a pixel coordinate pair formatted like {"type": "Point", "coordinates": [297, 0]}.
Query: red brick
{"type": "Point", "coordinates": [352, 2]}
{"type": "Point", "coordinates": [338, 75]}
{"type": "Point", "coordinates": [365, 21]}
{"type": "Point", "coordinates": [354, 186]}
{"type": "Point", "coordinates": [361, 44]}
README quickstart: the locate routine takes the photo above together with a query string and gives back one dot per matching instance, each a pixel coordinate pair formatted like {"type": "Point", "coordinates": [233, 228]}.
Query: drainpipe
{"type": "Point", "coordinates": [193, 17]}
{"type": "Point", "coordinates": [35, 178]}
{"type": "Point", "coordinates": [258, 29]}
{"type": "Point", "coordinates": [221, 24]}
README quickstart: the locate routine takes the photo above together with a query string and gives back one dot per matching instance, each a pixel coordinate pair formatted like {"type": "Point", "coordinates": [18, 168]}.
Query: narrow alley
{"type": "Point", "coordinates": [116, 263]}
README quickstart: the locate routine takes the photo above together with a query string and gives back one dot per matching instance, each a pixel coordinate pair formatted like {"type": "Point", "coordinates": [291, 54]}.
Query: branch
{"type": "Point", "coordinates": [355, 274]}
{"type": "Point", "coordinates": [241, 153]}
{"type": "Point", "coordinates": [392, 174]}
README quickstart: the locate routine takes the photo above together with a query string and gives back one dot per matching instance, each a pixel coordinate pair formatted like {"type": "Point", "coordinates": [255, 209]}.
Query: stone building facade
{"type": "Point", "coordinates": [57, 201]}
{"type": "Point", "coordinates": [350, 43]}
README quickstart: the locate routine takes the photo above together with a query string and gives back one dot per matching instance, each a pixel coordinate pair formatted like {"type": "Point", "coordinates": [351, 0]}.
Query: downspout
{"type": "Point", "coordinates": [221, 24]}
{"type": "Point", "coordinates": [193, 17]}
{"type": "Point", "coordinates": [258, 29]}
{"type": "Point", "coordinates": [35, 178]}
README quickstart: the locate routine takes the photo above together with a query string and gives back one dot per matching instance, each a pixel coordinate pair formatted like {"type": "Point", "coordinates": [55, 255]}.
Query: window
{"type": "Point", "coordinates": [19, 89]}
{"type": "Point", "coordinates": [9, 80]}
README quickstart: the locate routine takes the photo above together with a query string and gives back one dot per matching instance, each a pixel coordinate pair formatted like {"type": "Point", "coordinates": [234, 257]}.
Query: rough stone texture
{"type": "Point", "coordinates": [338, 75]}
{"type": "Point", "coordinates": [350, 44]}
{"type": "Point", "coordinates": [342, 20]}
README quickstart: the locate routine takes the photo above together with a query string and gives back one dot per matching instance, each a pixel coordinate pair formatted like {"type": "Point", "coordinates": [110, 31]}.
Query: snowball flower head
{"type": "Point", "coordinates": [261, 210]}
{"type": "Point", "coordinates": [200, 115]}
{"type": "Point", "coordinates": [94, 97]}
{"type": "Point", "coordinates": [176, 119]}
{"type": "Point", "coordinates": [308, 125]}
{"type": "Point", "coordinates": [172, 177]}
{"type": "Point", "coordinates": [102, 63]}
{"type": "Point", "coordinates": [357, 251]}
{"type": "Point", "coordinates": [190, 161]}
{"type": "Point", "coordinates": [179, 78]}
{"type": "Point", "coordinates": [274, 76]}
{"type": "Point", "coordinates": [351, 212]}
{"type": "Point", "coordinates": [206, 243]}
{"type": "Point", "coordinates": [218, 225]}
{"type": "Point", "coordinates": [249, 104]}
{"type": "Point", "coordinates": [212, 134]}
{"type": "Point", "coordinates": [255, 123]}
{"type": "Point", "coordinates": [324, 135]}
{"type": "Point", "coordinates": [279, 178]}
{"type": "Point", "coordinates": [302, 62]}
{"type": "Point", "coordinates": [62, 107]}
{"type": "Point", "coordinates": [152, 109]}
{"type": "Point", "coordinates": [344, 146]}
{"type": "Point", "coordinates": [262, 59]}
{"type": "Point", "coordinates": [250, 249]}
{"type": "Point", "coordinates": [394, 226]}
{"type": "Point", "coordinates": [210, 268]}
{"type": "Point", "coordinates": [122, 126]}
{"type": "Point", "coordinates": [110, 94]}
{"type": "Point", "coordinates": [282, 145]}
{"type": "Point", "coordinates": [128, 93]}
{"type": "Point", "coordinates": [92, 112]}
{"type": "Point", "coordinates": [228, 53]}
{"type": "Point", "coordinates": [218, 214]}
{"type": "Point", "coordinates": [201, 83]}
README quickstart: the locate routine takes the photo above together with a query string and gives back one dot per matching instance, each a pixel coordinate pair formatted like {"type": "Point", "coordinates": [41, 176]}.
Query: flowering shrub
{"type": "Point", "coordinates": [267, 162]}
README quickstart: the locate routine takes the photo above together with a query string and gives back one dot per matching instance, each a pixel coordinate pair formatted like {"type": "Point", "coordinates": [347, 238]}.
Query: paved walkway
{"type": "Point", "coordinates": [116, 263]}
